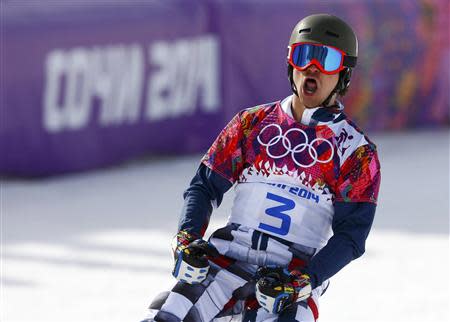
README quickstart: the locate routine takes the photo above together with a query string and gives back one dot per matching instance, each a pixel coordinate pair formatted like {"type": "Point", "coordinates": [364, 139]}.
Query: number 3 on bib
{"type": "Point", "coordinates": [278, 212]}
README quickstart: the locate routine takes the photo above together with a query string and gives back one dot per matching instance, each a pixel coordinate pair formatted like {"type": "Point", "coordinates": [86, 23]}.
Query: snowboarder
{"type": "Point", "coordinates": [306, 180]}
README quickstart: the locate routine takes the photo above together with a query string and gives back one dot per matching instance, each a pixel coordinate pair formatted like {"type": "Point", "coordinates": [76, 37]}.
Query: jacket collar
{"type": "Point", "coordinates": [315, 116]}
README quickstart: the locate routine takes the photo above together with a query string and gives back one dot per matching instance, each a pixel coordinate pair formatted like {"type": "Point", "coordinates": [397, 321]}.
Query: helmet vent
{"type": "Point", "coordinates": [304, 30]}
{"type": "Point", "coordinates": [332, 34]}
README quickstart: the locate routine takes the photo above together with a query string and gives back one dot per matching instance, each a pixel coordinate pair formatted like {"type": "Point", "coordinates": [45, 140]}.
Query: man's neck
{"type": "Point", "coordinates": [298, 107]}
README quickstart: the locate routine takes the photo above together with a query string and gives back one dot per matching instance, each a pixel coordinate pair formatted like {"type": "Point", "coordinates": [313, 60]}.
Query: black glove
{"type": "Point", "coordinates": [181, 240]}
{"type": "Point", "coordinates": [191, 258]}
{"type": "Point", "coordinates": [277, 288]}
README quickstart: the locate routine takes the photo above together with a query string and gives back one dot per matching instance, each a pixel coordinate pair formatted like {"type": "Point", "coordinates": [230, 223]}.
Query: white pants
{"type": "Point", "coordinates": [227, 294]}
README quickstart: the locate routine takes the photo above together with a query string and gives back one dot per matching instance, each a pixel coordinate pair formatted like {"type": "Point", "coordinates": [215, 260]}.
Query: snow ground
{"type": "Point", "coordinates": [95, 246]}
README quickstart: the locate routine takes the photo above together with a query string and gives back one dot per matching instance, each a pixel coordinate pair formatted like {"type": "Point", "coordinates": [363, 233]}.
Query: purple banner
{"type": "Point", "coordinates": [84, 85]}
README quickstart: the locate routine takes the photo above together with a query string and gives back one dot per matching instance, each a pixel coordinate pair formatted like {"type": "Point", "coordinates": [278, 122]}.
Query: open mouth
{"type": "Point", "coordinates": [310, 86]}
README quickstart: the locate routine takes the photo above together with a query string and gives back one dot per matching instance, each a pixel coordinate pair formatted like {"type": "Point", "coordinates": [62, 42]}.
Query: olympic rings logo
{"type": "Point", "coordinates": [294, 150]}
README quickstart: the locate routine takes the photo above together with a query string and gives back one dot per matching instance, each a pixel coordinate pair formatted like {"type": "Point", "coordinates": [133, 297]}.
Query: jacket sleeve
{"type": "Point", "coordinates": [219, 169]}
{"type": "Point", "coordinates": [205, 192]}
{"type": "Point", "coordinates": [351, 225]}
{"type": "Point", "coordinates": [354, 210]}
{"type": "Point", "coordinates": [225, 154]}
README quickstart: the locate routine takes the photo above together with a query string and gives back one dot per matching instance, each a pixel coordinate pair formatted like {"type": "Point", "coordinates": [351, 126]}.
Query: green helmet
{"type": "Point", "coordinates": [327, 30]}
{"type": "Point", "coordinates": [332, 31]}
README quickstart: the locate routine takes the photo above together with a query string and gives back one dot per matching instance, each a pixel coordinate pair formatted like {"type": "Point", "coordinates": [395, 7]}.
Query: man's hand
{"type": "Point", "coordinates": [181, 241]}
{"type": "Point", "coordinates": [277, 288]}
{"type": "Point", "coordinates": [191, 262]}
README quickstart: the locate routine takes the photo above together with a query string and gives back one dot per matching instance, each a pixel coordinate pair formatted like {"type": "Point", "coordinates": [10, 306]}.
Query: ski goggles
{"type": "Point", "coordinates": [330, 60]}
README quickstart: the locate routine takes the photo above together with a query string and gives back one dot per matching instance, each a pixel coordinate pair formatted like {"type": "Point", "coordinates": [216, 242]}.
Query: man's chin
{"type": "Point", "coordinates": [310, 103]}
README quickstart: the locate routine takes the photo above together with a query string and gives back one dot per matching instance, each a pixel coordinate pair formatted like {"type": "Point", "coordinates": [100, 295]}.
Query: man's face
{"type": "Point", "coordinates": [313, 86]}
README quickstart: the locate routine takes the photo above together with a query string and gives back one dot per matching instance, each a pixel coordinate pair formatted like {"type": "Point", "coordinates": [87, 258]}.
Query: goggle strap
{"type": "Point", "coordinates": [349, 61]}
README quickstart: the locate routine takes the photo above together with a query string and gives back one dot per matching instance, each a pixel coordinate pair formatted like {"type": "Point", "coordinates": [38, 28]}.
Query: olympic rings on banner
{"type": "Point", "coordinates": [299, 148]}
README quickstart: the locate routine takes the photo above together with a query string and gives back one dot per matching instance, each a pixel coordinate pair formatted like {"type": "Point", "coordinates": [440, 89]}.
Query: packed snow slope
{"type": "Point", "coordinates": [95, 247]}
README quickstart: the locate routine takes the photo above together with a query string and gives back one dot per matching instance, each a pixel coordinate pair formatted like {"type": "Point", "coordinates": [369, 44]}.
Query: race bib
{"type": "Point", "coordinates": [290, 212]}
